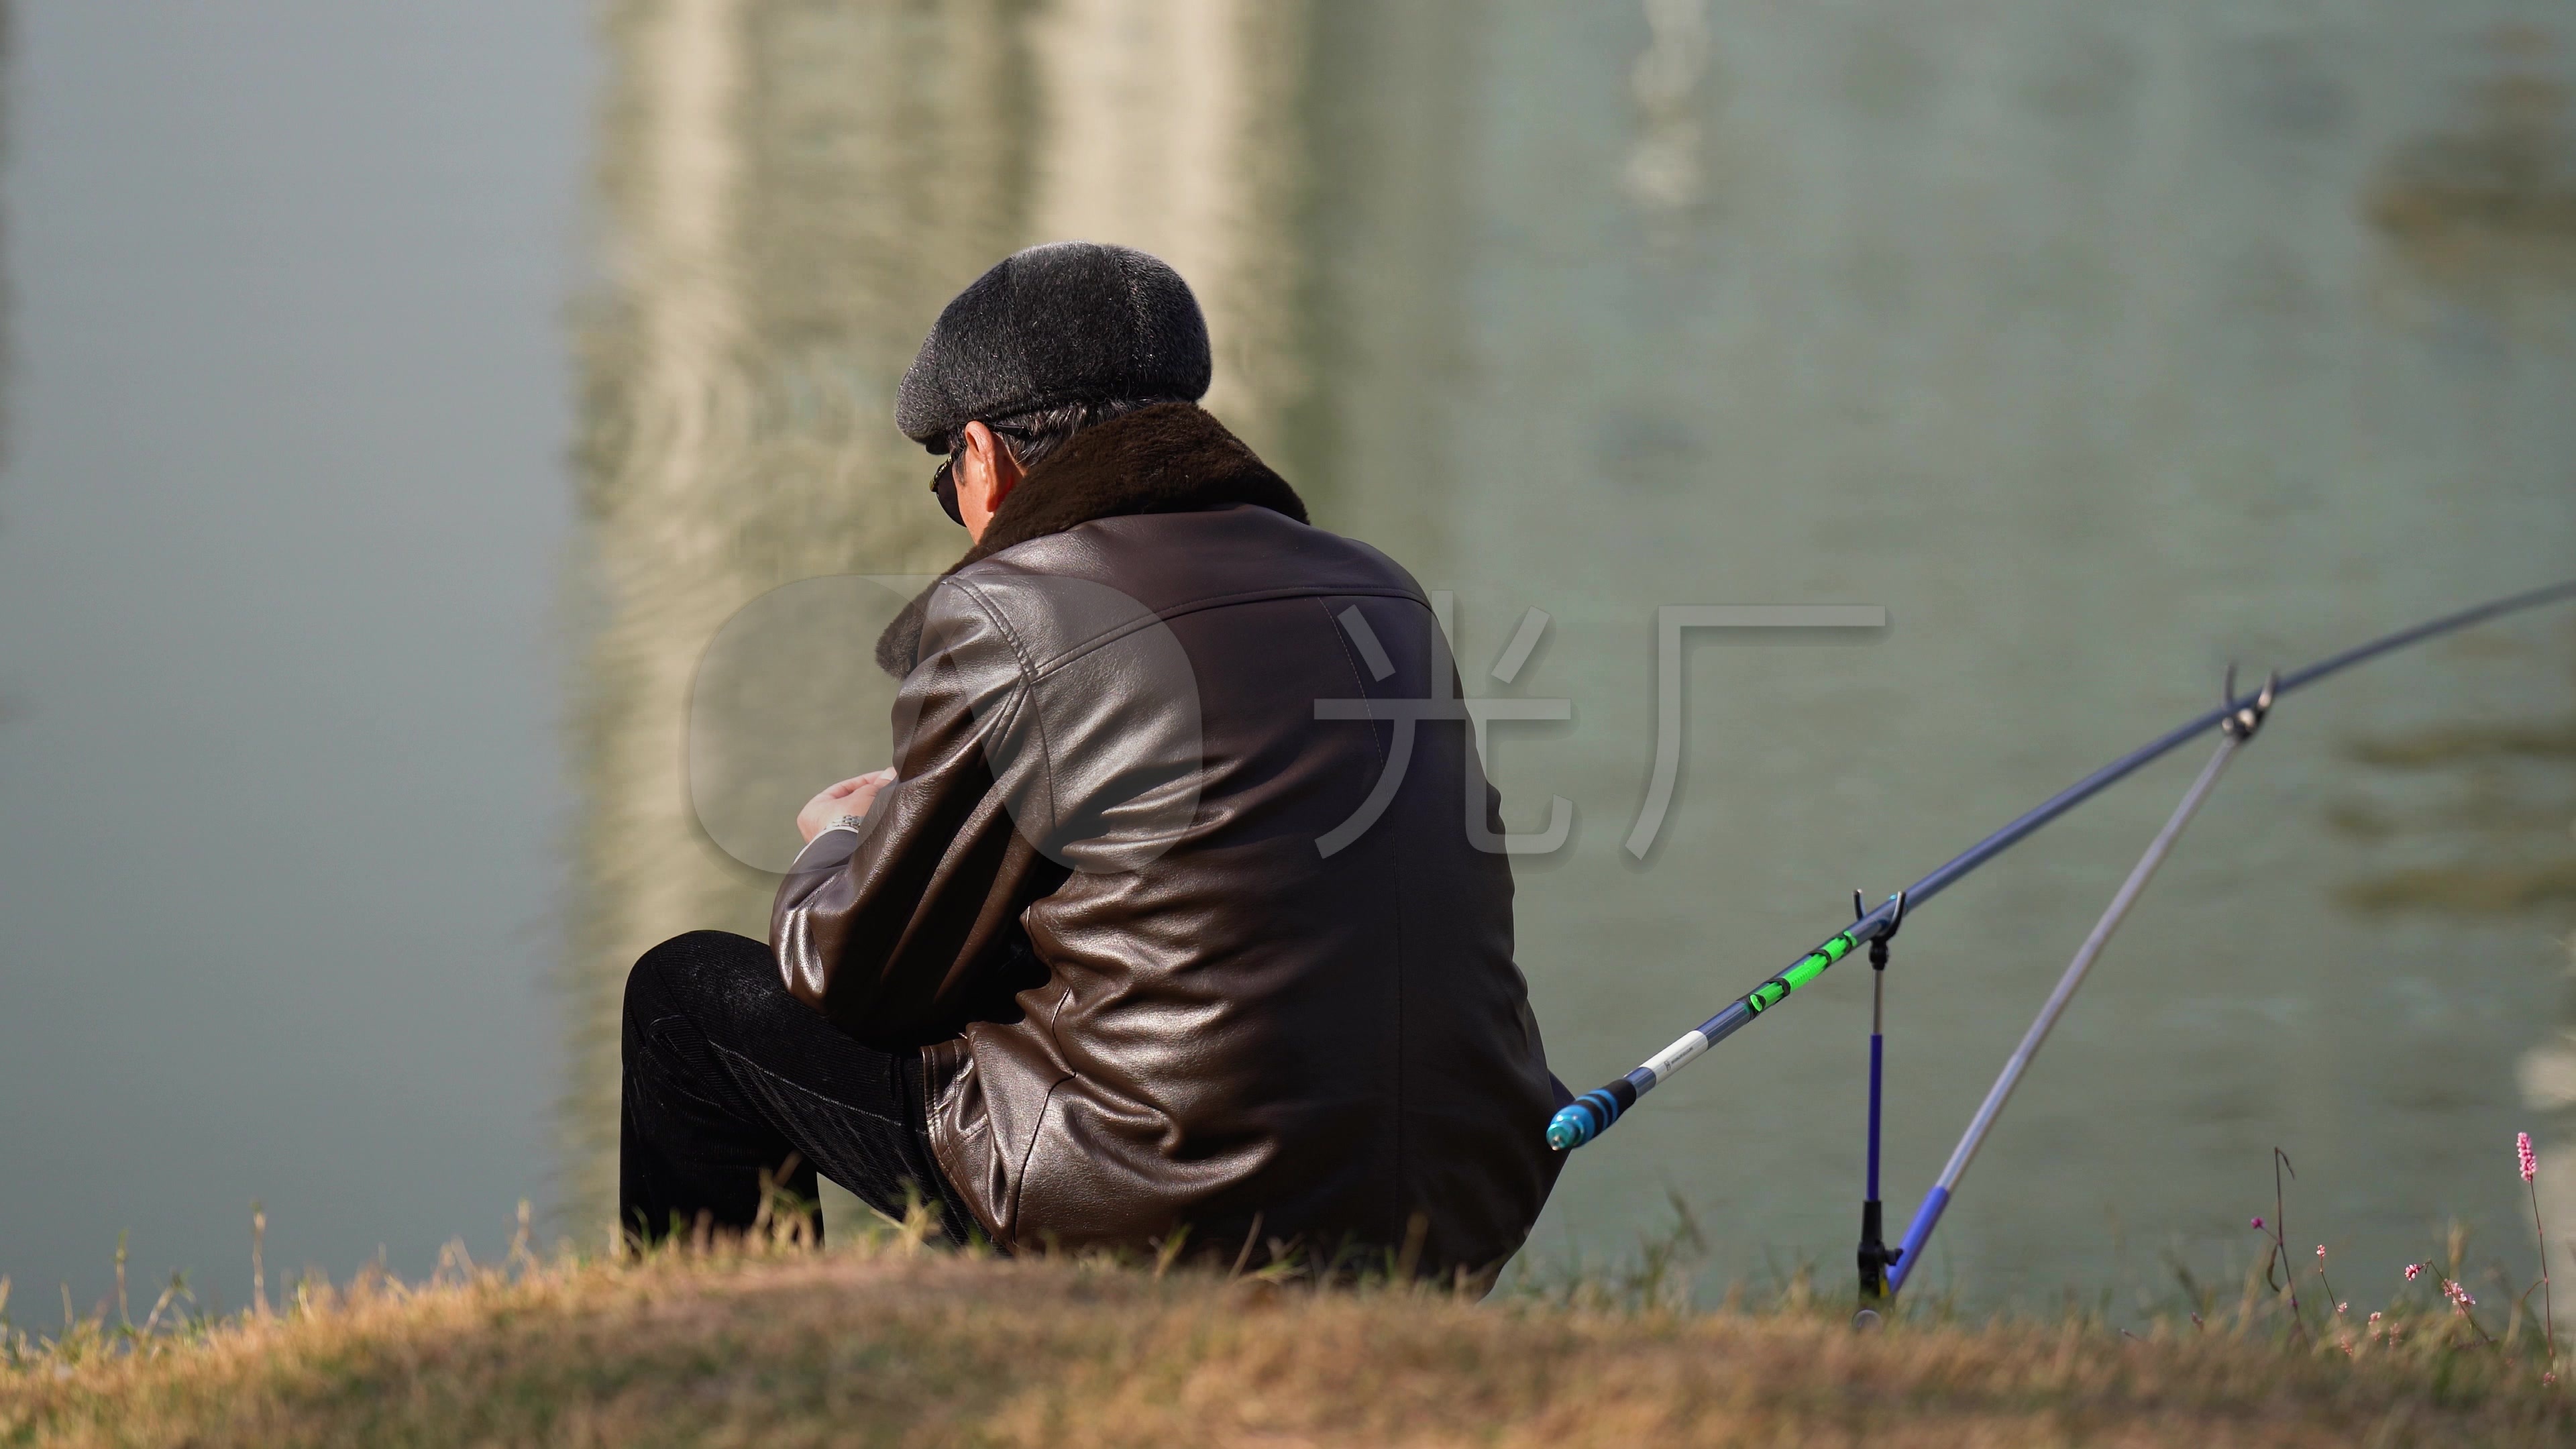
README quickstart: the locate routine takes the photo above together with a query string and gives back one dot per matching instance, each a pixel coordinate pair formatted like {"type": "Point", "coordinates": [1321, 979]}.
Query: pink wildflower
{"type": "Point", "coordinates": [2321, 1252]}
{"type": "Point", "coordinates": [2258, 1223]}
{"type": "Point", "coordinates": [2340, 1307]}
{"type": "Point", "coordinates": [2522, 1150]}
{"type": "Point", "coordinates": [2458, 1295]}
{"type": "Point", "coordinates": [2374, 1318]}
{"type": "Point", "coordinates": [2412, 1269]}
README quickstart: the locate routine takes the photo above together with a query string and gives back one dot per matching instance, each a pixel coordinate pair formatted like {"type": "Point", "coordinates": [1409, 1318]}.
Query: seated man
{"type": "Point", "coordinates": [1168, 916]}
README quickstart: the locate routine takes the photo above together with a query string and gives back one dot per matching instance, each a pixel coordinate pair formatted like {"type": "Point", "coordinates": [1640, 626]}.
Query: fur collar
{"type": "Point", "coordinates": [1172, 457]}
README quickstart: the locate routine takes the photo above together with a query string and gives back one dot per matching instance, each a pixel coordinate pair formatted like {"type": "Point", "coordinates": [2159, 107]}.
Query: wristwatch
{"type": "Point", "coordinates": [845, 822]}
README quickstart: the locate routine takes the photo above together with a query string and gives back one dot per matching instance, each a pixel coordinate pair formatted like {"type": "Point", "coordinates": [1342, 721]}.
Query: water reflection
{"type": "Point", "coordinates": [784, 184]}
{"type": "Point", "coordinates": [790, 191]}
{"type": "Point", "coordinates": [2068, 337]}
{"type": "Point", "coordinates": [2488, 198]}
{"type": "Point", "coordinates": [2490, 803]}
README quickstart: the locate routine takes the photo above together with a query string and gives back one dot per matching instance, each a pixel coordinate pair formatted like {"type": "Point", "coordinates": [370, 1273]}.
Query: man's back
{"type": "Point", "coordinates": [1179, 891]}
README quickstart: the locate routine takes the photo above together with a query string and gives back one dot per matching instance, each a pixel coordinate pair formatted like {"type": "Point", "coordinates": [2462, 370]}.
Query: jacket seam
{"type": "Point", "coordinates": [1021, 697]}
{"type": "Point", "coordinates": [1001, 625]}
{"type": "Point", "coordinates": [1037, 670]}
{"type": "Point", "coordinates": [1333, 625]}
{"type": "Point", "coordinates": [1046, 757]}
{"type": "Point", "coordinates": [1025, 691]}
{"type": "Point", "coordinates": [1403, 1174]}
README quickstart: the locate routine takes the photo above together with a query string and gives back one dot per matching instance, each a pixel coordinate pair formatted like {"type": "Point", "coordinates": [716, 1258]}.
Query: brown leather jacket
{"type": "Point", "coordinates": [1184, 941]}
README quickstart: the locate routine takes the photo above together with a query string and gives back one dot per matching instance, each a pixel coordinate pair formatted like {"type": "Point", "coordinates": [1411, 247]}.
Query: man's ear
{"type": "Point", "coordinates": [986, 474]}
{"type": "Point", "coordinates": [999, 460]}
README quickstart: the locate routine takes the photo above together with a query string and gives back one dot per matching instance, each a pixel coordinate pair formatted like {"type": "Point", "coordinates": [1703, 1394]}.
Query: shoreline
{"type": "Point", "coordinates": [887, 1342]}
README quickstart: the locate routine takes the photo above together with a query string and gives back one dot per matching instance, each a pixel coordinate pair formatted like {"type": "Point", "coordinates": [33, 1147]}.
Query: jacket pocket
{"type": "Point", "coordinates": [1026, 1156]}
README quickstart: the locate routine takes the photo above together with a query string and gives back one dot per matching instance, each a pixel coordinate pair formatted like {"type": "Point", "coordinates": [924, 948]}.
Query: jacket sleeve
{"type": "Point", "coordinates": [900, 931]}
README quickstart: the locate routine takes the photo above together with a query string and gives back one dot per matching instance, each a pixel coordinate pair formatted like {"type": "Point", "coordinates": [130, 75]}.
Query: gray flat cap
{"type": "Point", "coordinates": [1061, 323]}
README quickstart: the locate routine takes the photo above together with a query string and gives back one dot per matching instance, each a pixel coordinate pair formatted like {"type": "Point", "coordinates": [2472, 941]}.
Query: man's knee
{"type": "Point", "coordinates": [687, 975]}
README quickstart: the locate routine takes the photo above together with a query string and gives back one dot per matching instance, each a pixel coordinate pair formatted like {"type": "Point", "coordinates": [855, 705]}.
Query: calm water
{"type": "Point", "coordinates": [439, 450]}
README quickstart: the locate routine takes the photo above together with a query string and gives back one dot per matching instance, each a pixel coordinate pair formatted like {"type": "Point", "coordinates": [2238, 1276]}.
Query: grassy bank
{"type": "Point", "coordinates": [891, 1345]}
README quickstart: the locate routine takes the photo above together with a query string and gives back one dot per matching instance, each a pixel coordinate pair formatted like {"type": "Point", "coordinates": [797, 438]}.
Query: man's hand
{"type": "Point", "coordinates": [852, 796]}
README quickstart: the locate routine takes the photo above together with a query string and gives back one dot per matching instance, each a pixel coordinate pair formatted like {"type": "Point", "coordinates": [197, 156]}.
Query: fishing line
{"type": "Point", "coordinates": [1592, 1114]}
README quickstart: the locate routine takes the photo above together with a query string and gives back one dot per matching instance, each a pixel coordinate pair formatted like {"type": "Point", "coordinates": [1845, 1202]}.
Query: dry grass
{"type": "Point", "coordinates": [889, 1344]}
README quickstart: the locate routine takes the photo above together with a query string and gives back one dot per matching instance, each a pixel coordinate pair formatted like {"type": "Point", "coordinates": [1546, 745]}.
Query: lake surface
{"type": "Point", "coordinates": [447, 458]}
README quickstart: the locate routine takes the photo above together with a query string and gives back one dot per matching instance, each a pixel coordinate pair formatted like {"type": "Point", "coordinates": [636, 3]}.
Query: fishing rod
{"type": "Point", "coordinates": [1883, 1272]}
{"type": "Point", "coordinates": [1592, 1114]}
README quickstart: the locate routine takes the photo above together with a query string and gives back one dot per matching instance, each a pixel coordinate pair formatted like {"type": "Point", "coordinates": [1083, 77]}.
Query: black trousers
{"type": "Point", "coordinates": [728, 1076]}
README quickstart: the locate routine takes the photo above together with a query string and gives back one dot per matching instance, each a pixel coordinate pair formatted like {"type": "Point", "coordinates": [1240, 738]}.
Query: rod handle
{"type": "Point", "coordinates": [1582, 1119]}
